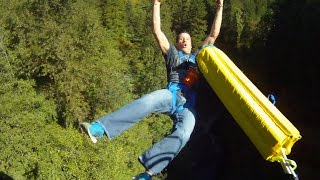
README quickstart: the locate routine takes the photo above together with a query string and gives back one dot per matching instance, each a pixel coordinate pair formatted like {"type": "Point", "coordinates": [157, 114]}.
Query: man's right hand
{"type": "Point", "coordinates": [156, 25]}
{"type": "Point", "coordinates": [219, 3]}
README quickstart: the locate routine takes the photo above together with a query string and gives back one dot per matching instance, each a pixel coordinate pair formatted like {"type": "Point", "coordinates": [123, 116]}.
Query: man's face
{"type": "Point", "coordinates": [184, 43]}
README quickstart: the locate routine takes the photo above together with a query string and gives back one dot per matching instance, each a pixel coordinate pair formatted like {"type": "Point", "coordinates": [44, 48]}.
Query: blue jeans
{"type": "Point", "coordinates": [162, 153]}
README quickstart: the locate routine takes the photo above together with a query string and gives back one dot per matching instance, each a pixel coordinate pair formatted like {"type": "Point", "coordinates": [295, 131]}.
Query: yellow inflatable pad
{"type": "Point", "coordinates": [267, 128]}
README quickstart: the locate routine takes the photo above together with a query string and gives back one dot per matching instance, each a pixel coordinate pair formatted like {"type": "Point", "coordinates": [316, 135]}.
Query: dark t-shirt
{"type": "Point", "coordinates": [176, 67]}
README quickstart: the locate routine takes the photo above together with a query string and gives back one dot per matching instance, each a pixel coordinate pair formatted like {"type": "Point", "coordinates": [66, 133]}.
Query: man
{"type": "Point", "coordinates": [177, 100]}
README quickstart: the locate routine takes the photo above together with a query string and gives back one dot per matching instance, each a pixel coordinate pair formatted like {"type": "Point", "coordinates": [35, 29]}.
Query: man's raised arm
{"type": "Point", "coordinates": [156, 27]}
{"type": "Point", "coordinates": [216, 25]}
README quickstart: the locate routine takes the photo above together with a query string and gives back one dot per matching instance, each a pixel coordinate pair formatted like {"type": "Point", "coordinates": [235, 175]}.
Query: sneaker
{"type": "Point", "coordinates": [143, 176]}
{"type": "Point", "coordinates": [86, 127]}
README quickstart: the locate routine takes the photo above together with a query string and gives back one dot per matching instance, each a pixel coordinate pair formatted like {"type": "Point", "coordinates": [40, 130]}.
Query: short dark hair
{"type": "Point", "coordinates": [180, 32]}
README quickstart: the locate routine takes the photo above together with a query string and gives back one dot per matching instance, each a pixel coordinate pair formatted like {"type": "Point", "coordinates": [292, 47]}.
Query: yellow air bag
{"type": "Point", "coordinates": [267, 128]}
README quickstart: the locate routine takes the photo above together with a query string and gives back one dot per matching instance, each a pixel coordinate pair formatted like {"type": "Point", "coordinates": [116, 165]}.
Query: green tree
{"type": "Point", "coordinates": [63, 68]}
{"type": "Point", "coordinates": [69, 54]}
{"type": "Point", "coordinates": [241, 19]}
{"type": "Point", "coordinates": [146, 62]}
{"type": "Point", "coordinates": [199, 26]}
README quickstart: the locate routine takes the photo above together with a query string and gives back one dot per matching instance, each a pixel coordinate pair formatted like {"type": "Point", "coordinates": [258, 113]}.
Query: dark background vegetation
{"type": "Point", "coordinates": [65, 61]}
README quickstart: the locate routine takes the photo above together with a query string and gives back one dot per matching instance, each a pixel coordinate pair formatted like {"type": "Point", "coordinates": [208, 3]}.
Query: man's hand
{"type": "Point", "coordinates": [219, 3]}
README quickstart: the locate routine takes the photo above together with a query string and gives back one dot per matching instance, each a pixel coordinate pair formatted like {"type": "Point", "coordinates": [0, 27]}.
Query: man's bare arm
{"type": "Point", "coordinates": [216, 25]}
{"type": "Point", "coordinates": [156, 27]}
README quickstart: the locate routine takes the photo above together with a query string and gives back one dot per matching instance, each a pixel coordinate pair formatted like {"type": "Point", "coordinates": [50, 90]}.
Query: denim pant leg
{"type": "Point", "coordinates": [162, 153]}
{"type": "Point", "coordinates": [117, 122]}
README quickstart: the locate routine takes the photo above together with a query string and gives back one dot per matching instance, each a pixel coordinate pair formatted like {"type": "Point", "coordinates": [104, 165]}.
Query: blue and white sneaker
{"type": "Point", "coordinates": [143, 176]}
{"type": "Point", "coordinates": [94, 130]}
{"type": "Point", "coordinates": [86, 127]}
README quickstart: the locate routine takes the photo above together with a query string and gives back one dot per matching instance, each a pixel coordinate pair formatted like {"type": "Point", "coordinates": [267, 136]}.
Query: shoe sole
{"type": "Point", "coordinates": [86, 127]}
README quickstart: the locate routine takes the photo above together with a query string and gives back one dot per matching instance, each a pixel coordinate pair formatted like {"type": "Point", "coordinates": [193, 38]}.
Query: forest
{"type": "Point", "coordinates": [67, 61]}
